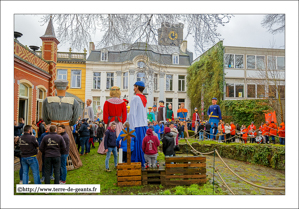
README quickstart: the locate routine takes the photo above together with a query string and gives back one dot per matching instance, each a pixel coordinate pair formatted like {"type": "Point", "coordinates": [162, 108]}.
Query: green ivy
{"type": "Point", "coordinates": [208, 71]}
{"type": "Point", "coordinates": [245, 111]}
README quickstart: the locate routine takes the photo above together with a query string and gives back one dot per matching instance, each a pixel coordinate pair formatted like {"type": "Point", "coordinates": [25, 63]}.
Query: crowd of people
{"type": "Point", "coordinates": [52, 142]}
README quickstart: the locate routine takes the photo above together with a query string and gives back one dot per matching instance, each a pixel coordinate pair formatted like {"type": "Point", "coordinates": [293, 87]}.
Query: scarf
{"type": "Point", "coordinates": [143, 99]}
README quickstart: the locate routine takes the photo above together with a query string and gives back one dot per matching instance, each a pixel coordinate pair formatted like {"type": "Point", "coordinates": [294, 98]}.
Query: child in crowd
{"type": "Point", "coordinates": [150, 145]}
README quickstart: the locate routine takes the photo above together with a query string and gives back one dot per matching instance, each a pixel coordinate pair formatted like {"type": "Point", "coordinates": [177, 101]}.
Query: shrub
{"type": "Point", "coordinates": [167, 192]}
{"type": "Point", "coordinates": [179, 190]}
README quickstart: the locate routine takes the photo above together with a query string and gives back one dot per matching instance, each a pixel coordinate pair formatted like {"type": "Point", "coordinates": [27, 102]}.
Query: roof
{"type": "Point", "coordinates": [50, 32]}
{"type": "Point", "coordinates": [156, 53]}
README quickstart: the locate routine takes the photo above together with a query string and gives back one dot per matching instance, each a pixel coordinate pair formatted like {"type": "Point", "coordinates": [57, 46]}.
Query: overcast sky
{"type": "Point", "coordinates": [242, 30]}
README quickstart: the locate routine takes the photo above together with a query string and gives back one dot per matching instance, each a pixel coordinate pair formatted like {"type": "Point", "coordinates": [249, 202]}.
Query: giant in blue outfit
{"type": "Point", "coordinates": [215, 112]}
{"type": "Point", "coordinates": [138, 155]}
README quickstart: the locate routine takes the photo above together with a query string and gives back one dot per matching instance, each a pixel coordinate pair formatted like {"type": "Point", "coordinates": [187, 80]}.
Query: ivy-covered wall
{"type": "Point", "coordinates": [206, 73]}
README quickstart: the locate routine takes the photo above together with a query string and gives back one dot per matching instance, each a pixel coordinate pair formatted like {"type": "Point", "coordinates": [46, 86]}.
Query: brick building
{"type": "Point", "coordinates": [34, 76]}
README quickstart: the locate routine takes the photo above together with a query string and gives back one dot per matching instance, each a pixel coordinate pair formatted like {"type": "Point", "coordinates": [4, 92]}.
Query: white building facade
{"type": "Point", "coordinates": [162, 68]}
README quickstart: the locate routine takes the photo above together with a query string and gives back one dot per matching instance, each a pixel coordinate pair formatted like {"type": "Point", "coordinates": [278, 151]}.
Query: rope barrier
{"type": "Point", "coordinates": [224, 182]}
{"type": "Point", "coordinates": [262, 187]}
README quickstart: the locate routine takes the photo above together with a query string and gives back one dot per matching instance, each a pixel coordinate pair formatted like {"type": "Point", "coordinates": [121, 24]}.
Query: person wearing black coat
{"type": "Point", "coordinates": [208, 127]}
{"type": "Point", "coordinates": [100, 132]}
{"type": "Point", "coordinates": [84, 136]}
{"type": "Point", "coordinates": [200, 131]}
{"type": "Point", "coordinates": [168, 143]}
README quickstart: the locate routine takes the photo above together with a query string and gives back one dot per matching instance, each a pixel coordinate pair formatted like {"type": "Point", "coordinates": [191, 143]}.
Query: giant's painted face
{"type": "Point", "coordinates": [161, 103]}
{"type": "Point", "coordinates": [182, 105]}
{"type": "Point", "coordinates": [154, 109]}
{"type": "Point", "coordinates": [170, 106]}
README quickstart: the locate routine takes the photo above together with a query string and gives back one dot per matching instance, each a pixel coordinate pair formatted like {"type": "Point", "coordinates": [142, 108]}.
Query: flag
{"type": "Point", "coordinates": [271, 116]}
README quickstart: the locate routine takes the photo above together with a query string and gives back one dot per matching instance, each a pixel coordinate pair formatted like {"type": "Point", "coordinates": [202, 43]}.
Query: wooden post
{"type": "Point", "coordinates": [127, 136]}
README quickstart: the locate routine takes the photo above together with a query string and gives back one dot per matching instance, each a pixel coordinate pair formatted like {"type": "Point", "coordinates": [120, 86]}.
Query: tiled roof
{"type": "Point", "coordinates": [50, 30]}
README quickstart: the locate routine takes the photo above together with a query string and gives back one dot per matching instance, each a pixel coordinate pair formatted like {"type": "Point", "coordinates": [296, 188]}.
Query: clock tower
{"type": "Point", "coordinates": [170, 34]}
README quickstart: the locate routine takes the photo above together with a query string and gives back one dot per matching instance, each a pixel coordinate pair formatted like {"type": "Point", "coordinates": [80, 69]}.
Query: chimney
{"type": "Point", "coordinates": [183, 46]}
{"type": "Point", "coordinates": [91, 47]}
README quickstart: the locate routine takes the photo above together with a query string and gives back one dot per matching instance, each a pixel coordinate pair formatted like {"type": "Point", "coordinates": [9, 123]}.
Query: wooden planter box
{"type": "Point", "coordinates": [129, 175]}
{"type": "Point", "coordinates": [153, 176]}
{"type": "Point", "coordinates": [185, 170]}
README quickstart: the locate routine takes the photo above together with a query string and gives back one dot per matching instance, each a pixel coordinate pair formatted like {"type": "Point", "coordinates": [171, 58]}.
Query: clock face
{"type": "Point", "coordinates": [173, 35]}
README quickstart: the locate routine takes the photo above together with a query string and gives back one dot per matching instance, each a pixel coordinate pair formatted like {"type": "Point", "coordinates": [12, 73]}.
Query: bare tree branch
{"type": "Point", "coordinates": [274, 23]}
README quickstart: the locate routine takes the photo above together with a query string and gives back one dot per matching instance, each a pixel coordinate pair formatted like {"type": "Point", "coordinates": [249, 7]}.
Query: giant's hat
{"type": "Point", "coordinates": [140, 83]}
{"type": "Point", "coordinates": [61, 84]}
{"type": "Point", "coordinates": [214, 98]}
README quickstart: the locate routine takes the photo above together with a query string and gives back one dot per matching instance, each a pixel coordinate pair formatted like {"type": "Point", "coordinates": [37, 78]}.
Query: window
{"type": "Point", "coordinates": [24, 90]}
{"type": "Point", "coordinates": [168, 101]}
{"type": "Point", "coordinates": [281, 91]}
{"type": "Point", "coordinates": [125, 80]}
{"type": "Point", "coordinates": [271, 63]}
{"type": "Point", "coordinates": [141, 64]}
{"type": "Point", "coordinates": [156, 99]}
{"type": "Point", "coordinates": [250, 61]}
{"type": "Point", "coordinates": [40, 96]}
{"type": "Point", "coordinates": [76, 79]}
{"type": "Point", "coordinates": [96, 80]}
{"type": "Point", "coordinates": [155, 81]}
{"type": "Point", "coordinates": [272, 91]}
{"type": "Point", "coordinates": [261, 91]}
{"type": "Point", "coordinates": [104, 55]}
{"type": "Point", "coordinates": [181, 101]}
{"type": "Point", "coordinates": [169, 82]}
{"type": "Point", "coordinates": [141, 77]}
{"type": "Point", "coordinates": [239, 61]}
{"type": "Point", "coordinates": [62, 74]}
{"type": "Point", "coordinates": [110, 80]}
{"type": "Point", "coordinates": [251, 90]}
{"type": "Point", "coordinates": [280, 63]}
{"type": "Point", "coordinates": [230, 90]}
{"type": "Point", "coordinates": [95, 104]}
{"type": "Point", "coordinates": [175, 59]}
{"type": "Point", "coordinates": [181, 83]}
{"type": "Point", "coordinates": [260, 62]}
{"type": "Point", "coordinates": [229, 60]}
{"type": "Point", "coordinates": [239, 90]}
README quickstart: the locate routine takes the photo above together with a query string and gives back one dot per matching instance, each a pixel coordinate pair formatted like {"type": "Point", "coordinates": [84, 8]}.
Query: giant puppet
{"type": "Point", "coordinates": [138, 120]}
{"type": "Point", "coordinates": [162, 117]}
{"type": "Point", "coordinates": [115, 110]}
{"type": "Point", "coordinates": [195, 120]}
{"type": "Point", "coordinates": [182, 115]}
{"type": "Point", "coordinates": [214, 113]}
{"type": "Point", "coordinates": [59, 110]}
{"type": "Point", "coordinates": [169, 111]}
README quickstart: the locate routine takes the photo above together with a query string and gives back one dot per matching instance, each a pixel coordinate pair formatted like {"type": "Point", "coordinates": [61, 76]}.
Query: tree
{"type": "Point", "coordinates": [274, 23]}
{"type": "Point", "coordinates": [270, 81]}
{"type": "Point", "coordinates": [76, 29]}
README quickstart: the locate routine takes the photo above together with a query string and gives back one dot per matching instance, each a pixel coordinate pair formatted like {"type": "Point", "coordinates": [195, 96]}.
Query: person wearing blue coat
{"type": "Point", "coordinates": [123, 144]}
{"type": "Point", "coordinates": [157, 129]}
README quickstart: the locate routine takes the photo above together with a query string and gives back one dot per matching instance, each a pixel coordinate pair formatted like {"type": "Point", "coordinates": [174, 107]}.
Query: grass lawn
{"type": "Point", "coordinates": [93, 172]}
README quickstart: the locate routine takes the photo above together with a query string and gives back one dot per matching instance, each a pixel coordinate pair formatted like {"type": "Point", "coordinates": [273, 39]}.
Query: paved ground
{"type": "Point", "coordinates": [260, 175]}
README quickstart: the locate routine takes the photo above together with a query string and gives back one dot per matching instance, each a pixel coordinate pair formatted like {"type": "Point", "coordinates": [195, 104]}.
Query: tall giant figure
{"type": "Point", "coordinates": [63, 110]}
{"type": "Point", "coordinates": [138, 120]}
{"type": "Point", "coordinates": [214, 113]}
{"type": "Point", "coordinates": [114, 111]}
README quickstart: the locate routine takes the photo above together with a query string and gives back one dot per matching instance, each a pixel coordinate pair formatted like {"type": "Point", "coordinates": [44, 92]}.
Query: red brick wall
{"type": "Point", "coordinates": [36, 80]}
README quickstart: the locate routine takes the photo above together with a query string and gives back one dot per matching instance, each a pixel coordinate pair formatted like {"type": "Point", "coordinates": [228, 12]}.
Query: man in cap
{"type": "Point", "coordinates": [195, 119]}
{"type": "Point", "coordinates": [150, 115]}
{"type": "Point", "coordinates": [138, 120]}
{"type": "Point", "coordinates": [59, 110]}
{"type": "Point", "coordinates": [162, 112]}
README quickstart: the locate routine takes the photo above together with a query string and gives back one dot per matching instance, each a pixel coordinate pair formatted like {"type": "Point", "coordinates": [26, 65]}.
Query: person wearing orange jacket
{"type": "Point", "coordinates": [252, 131]}
{"type": "Point", "coordinates": [232, 131]}
{"type": "Point", "coordinates": [244, 134]}
{"type": "Point", "coordinates": [273, 131]}
{"type": "Point", "coordinates": [261, 128]}
{"type": "Point", "coordinates": [281, 133]}
{"type": "Point", "coordinates": [266, 132]}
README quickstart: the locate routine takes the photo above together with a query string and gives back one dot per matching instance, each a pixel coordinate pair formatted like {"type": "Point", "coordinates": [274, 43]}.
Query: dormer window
{"type": "Point", "coordinates": [175, 59]}
{"type": "Point", "coordinates": [104, 55]}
